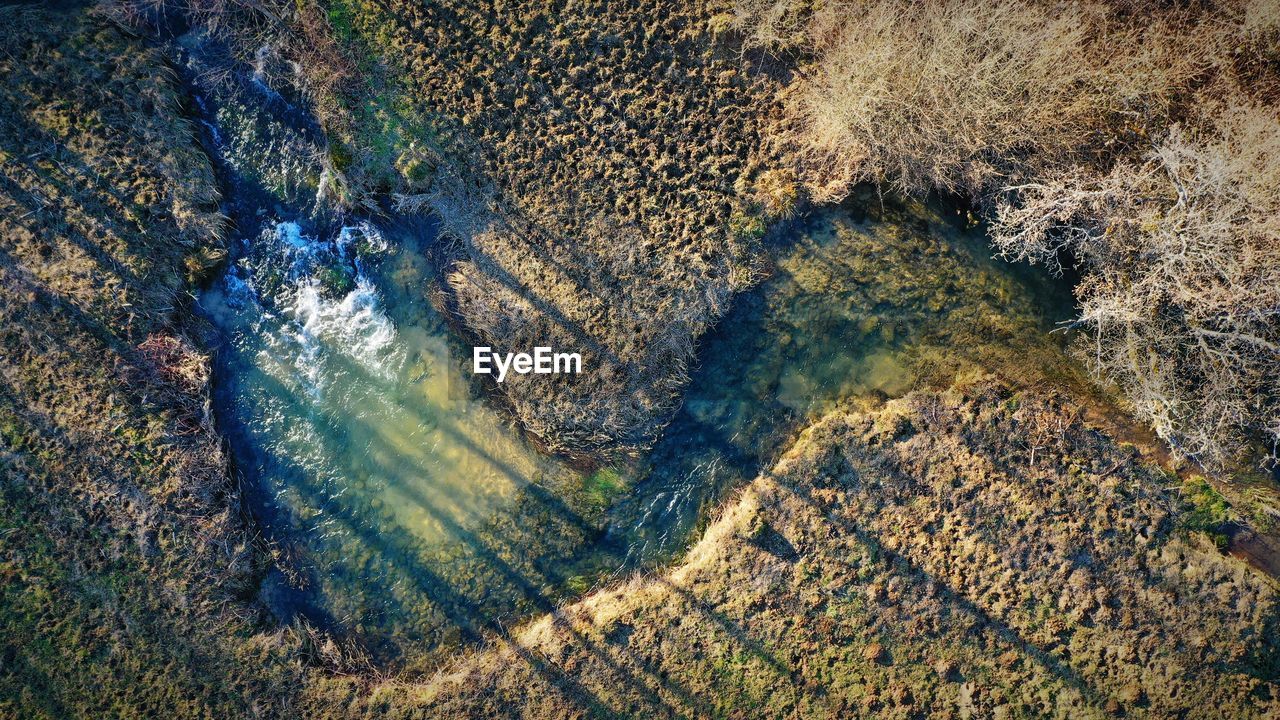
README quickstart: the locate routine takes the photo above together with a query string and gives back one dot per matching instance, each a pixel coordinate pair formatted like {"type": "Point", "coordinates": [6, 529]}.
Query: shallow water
{"type": "Point", "coordinates": [869, 300]}
{"type": "Point", "coordinates": [419, 518]}
{"type": "Point", "coordinates": [372, 461]}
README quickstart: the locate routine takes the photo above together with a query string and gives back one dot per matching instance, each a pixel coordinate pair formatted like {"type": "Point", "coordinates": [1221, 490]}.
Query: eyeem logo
{"type": "Point", "coordinates": [542, 362]}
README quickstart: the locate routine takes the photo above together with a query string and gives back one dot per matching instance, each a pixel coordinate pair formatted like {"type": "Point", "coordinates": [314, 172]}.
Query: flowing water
{"type": "Point", "coordinates": [415, 516]}
{"type": "Point", "coordinates": [372, 460]}
{"type": "Point", "coordinates": [405, 509]}
{"type": "Point", "coordinates": [869, 300]}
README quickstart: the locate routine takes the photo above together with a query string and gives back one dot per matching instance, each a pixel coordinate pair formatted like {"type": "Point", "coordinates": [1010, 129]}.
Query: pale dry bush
{"type": "Point", "coordinates": [1181, 290]}
{"type": "Point", "coordinates": [966, 95]}
{"type": "Point", "coordinates": [1050, 113]}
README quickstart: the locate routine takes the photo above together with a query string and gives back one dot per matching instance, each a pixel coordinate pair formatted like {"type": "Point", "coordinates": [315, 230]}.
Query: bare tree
{"type": "Point", "coordinates": [1181, 292]}
{"type": "Point", "coordinates": [1044, 116]}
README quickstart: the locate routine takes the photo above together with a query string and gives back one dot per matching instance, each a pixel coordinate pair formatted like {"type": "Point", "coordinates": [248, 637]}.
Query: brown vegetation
{"type": "Point", "coordinates": [597, 167]}
{"type": "Point", "coordinates": [1183, 284]}
{"type": "Point", "coordinates": [120, 539]}
{"type": "Point", "coordinates": [973, 553]}
{"type": "Point", "coordinates": [977, 551]}
{"type": "Point", "coordinates": [1110, 134]}
{"type": "Point", "coordinates": [286, 42]}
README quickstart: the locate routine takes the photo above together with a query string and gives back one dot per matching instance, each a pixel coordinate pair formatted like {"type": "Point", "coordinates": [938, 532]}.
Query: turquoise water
{"type": "Point", "coordinates": [410, 514]}
{"type": "Point", "coordinates": [381, 474]}
{"type": "Point", "coordinates": [866, 301]}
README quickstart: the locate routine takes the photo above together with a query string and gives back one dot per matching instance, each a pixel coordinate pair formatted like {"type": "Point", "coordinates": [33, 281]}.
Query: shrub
{"type": "Point", "coordinates": [778, 193]}
{"type": "Point", "coordinates": [1135, 139]}
{"type": "Point", "coordinates": [1181, 291]}
{"type": "Point", "coordinates": [1208, 512]}
{"type": "Point", "coordinates": [966, 95]}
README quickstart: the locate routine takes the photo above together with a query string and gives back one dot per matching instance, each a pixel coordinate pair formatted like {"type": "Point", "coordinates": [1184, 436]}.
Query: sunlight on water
{"type": "Point", "coordinates": [327, 364]}
{"type": "Point", "coordinates": [412, 514]}
{"type": "Point", "coordinates": [359, 428]}
{"type": "Point", "coordinates": [852, 308]}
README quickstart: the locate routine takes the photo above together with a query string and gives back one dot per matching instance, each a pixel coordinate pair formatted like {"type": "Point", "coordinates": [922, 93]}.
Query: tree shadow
{"type": "Point", "coordinates": [904, 567]}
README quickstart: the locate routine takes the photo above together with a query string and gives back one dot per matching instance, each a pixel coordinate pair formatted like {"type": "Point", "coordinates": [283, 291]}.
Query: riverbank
{"type": "Point", "coordinates": [602, 170]}
{"type": "Point", "coordinates": [978, 552]}
{"type": "Point", "coordinates": [127, 573]}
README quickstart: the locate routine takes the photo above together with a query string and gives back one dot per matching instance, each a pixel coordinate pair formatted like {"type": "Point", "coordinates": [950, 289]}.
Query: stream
{"type": "Point", "coordinates": [409, 513]}
{"type": "Point", "coordinates": [417, 516]}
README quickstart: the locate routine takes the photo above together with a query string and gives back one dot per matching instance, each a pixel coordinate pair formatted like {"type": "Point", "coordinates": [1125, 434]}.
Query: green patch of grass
{"type": "Point", "coordinates": [340, 20]}
{"type": "Point", "coordinates": [747, 226]}
{"type": "Point", "coordinates": [1209, 510]}
{"type": "Point", "coordinates": [384, 119]}
{"type": "Point", "coordinates": [578, 584]}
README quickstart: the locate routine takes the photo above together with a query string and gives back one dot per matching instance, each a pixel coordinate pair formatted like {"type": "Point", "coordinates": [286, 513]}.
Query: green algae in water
{"type": "Point", "coordinates": [421, 518]}
{"type": "Point", "coordinates": [853, 308]}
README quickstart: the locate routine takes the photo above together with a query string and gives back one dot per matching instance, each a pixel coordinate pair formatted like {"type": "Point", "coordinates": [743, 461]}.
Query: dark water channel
{"type": "Point", "coordinates": [409, 513]}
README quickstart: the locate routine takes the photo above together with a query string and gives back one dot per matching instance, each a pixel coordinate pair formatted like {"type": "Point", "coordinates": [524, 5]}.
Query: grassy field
{"type": "Point", "coordinates": [127, 571]}
{"type": "Point", "coordinates": [977, 552]}
{"type": "Point", "coordinates": [982, 551]}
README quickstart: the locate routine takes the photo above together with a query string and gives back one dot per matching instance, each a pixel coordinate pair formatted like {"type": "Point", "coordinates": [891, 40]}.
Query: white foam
{"type": "Point", "coordinates": [353, 325]}
{"type": "Point", "coordinates": [303, 328]}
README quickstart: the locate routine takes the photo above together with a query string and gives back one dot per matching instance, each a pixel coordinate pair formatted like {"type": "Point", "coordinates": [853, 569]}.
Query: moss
{"type": "Point", "coordinates": [340, 16]}
{"type": "Point", "coordinates": [579, 584]}
{"type": "Point", "coordinates": [340, 155]}
{"type": "Point", "coordinates": [416, 171]}
{"type": "Point", "coordinates": [602, 488]}
{"type": "Point", "coordinates": [1209, 511]}
{"type": "Point", "coordinates": [747, 226]}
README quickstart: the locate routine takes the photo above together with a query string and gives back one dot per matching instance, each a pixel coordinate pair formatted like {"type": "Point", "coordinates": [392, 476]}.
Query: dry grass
{"type": "Point", "coordinates": [1151, 128]}
{"type": "Point", "coordinates": [881, 570]}
{"type": "Point", "coordinates": [123, 558]}
{"type": "Point", "coordinates": [967, 96]}
{"type": "Point", "coordinates": [599, 172]}
{"type": "Point", "coordinates": [288, 45]}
